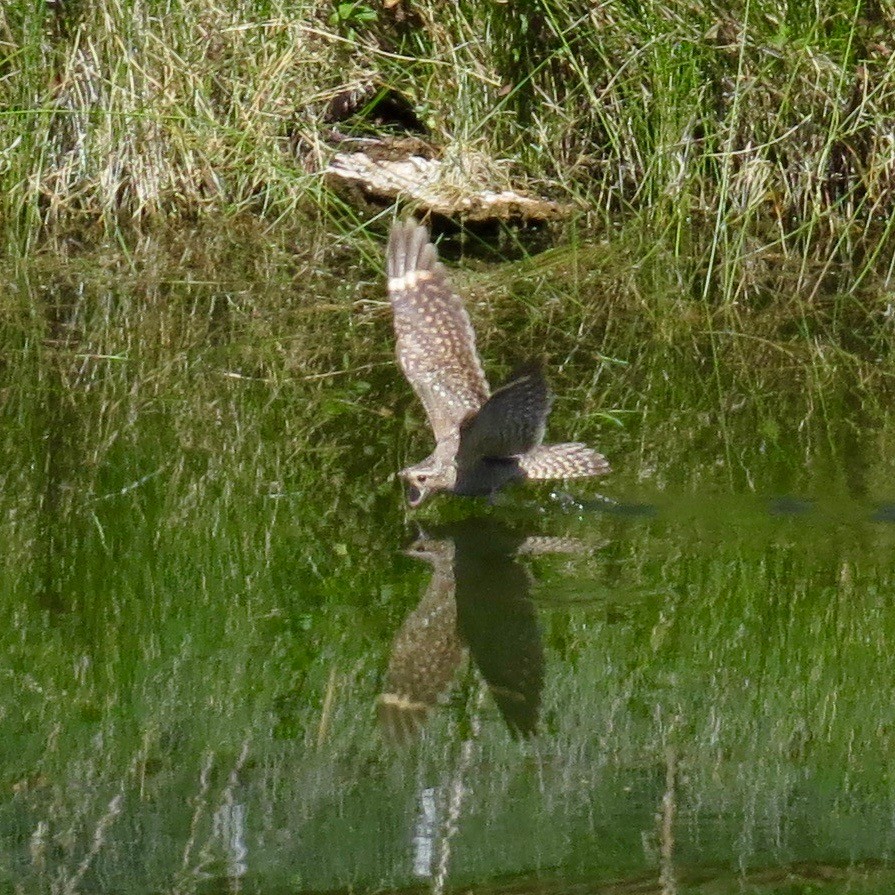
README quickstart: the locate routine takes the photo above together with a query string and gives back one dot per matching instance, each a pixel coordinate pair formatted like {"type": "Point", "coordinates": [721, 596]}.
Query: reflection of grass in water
{"type": "Point", "coordinates": [746, 648]}
{"type": "Point", "coordinates": [201, 553]}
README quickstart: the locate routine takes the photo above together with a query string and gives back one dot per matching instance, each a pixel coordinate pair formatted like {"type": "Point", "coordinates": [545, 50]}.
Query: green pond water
{"type": "Point", "coordinates": [679, 678]}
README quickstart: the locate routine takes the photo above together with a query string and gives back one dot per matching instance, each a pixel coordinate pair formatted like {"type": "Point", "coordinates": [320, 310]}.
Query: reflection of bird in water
{"type": "Point", "coordinates": [477, 600]}
{"type": "Point", "coordinates": [481, 442]}
{"type": "Point", "coordinates": [426, 651]}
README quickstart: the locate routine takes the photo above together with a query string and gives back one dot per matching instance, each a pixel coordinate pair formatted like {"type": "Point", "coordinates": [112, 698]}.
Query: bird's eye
{"type": "Point", "coordinates": [422, 479]}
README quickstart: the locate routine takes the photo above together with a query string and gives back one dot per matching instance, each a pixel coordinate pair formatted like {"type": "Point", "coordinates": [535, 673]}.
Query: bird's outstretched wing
{"type": "Point", "coordinates": [426, 651]}
{"type": "Point", "coordinates": [510, 422]}
{"type": "Point", "coordinates": [571, 460]}
{"type": "Point", "coordinates": [435, 339]}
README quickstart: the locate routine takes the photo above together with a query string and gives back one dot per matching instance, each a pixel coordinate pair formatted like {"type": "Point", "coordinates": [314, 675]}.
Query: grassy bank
{"type": "Point", "coordinates": [749, 139]}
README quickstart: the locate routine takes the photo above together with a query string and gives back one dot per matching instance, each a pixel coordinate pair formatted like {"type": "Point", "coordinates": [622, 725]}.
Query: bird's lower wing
{"type": "Point", "coordinates": [572, 460]}
{"type": "Point", "coordinates": [511, 422]}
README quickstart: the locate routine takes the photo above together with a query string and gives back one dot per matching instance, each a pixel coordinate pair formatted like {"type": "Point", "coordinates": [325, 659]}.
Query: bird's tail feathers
{"type": "Point", "coordinates": [571, 460]}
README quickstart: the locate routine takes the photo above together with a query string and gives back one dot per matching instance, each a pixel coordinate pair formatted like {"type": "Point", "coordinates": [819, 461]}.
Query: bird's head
{"type": "Point", "coordinates": [425, 479]}
{"type": "Point", "coordinates": [416, 486]}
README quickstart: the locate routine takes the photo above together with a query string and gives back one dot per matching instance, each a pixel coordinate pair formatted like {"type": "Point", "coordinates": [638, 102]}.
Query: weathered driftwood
{"type": "Point", "coordinates": [383, 170]}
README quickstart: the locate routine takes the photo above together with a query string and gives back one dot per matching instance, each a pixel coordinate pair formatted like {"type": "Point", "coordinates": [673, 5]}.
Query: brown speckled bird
{"type": "Point", "coordinates": [482, 440]}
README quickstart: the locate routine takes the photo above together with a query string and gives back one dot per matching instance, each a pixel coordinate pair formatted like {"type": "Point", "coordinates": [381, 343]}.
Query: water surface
{"type": "Point", "coordinates": [679, 680]}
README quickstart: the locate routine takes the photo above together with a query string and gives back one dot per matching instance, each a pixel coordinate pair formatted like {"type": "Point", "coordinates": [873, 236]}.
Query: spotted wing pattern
{"type": "Point", "coordinates": [426, 651]}
{"type": "Point", "coordinates": [511, 421]}
{"type": "Point", "coordinates": [563, 461]}
{"type": "Point", "coordinates": [435, 339]}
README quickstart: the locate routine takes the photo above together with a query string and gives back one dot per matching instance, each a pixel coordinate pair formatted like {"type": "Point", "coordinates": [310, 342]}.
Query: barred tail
{"type": "Point", "coordinates": [563, 461]}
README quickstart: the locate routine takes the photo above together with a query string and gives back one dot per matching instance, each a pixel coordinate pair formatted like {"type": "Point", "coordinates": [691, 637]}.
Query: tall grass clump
{"type": "Point", "coordinates": [125, 112]}
{"type": "Point", "coordinates": [745, 137]}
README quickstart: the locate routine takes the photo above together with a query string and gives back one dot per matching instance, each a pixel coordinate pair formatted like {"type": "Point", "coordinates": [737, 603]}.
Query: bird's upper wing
{"type": "Point", "coordinates": [435, 339]}
{"type": "Point", "coordinates": [563, 461]}
{"type": "Point", "coordinates": [511, 422]}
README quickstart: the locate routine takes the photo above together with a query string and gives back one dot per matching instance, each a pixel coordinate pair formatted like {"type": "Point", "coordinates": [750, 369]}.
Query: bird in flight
{"type": "Point", "coordinates": [483, 440]}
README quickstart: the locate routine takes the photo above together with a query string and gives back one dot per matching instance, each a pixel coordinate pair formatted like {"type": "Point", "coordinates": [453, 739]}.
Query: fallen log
{"type": "Point", "coordinates": [383, 170]}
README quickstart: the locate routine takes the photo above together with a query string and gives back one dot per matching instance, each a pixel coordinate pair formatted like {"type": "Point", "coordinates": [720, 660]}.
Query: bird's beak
{"type": "Point", "coordinates": [414, 496]}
